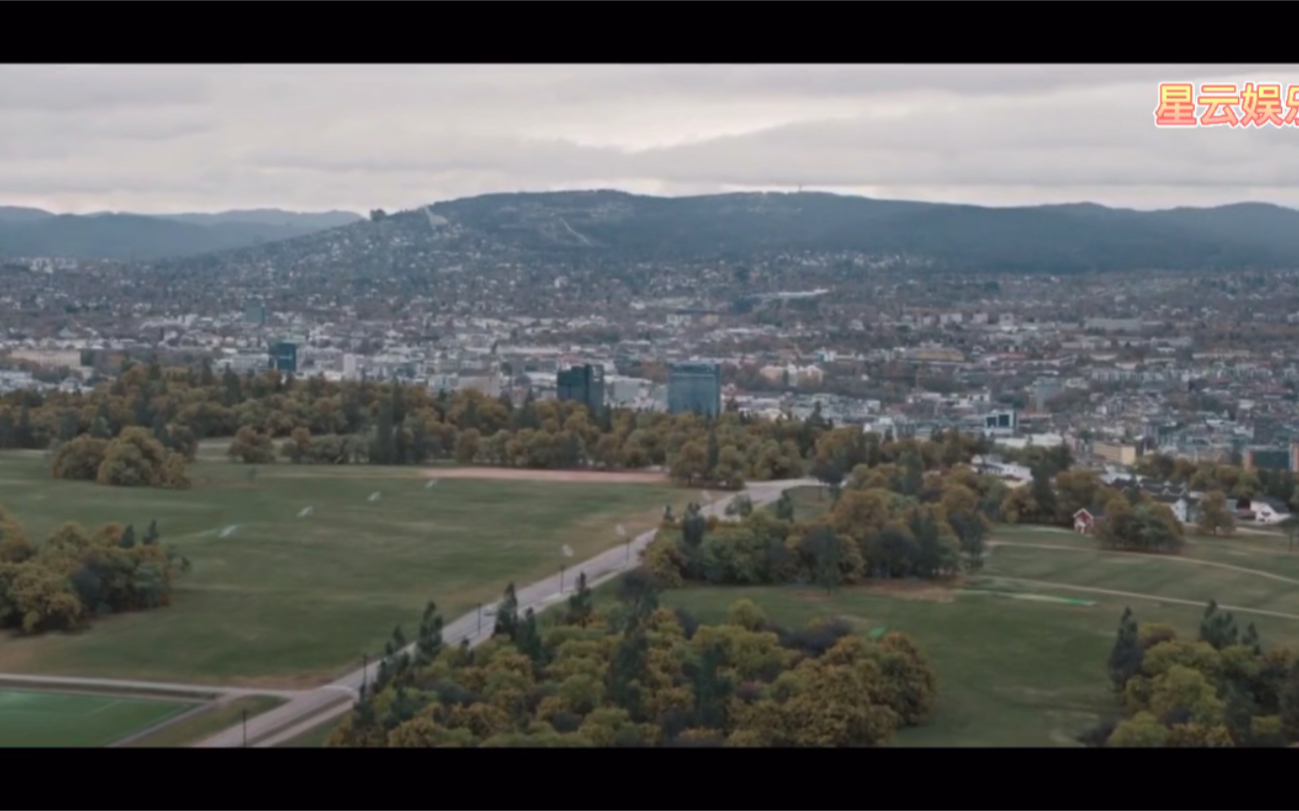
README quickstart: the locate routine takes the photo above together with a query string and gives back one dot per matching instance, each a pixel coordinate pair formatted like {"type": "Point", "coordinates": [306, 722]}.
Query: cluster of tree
{"type": "Point", "coordinates": [838, 453]}
{"type": "Point", "coordinates": [872, 530]}
{"type": "Point", "coordinates": [642, 675]}
{"type": "Point", "coordinates": [317, 421]}
{"type": "Point", "coordinates": [134, 458]}
{"type": "Point", "coordinates": [74, 575]}
{"type": "Point", "coordinates": [1232, 480]}
{"type": "Point", "coordinates": [1221, 689]}
{"type": "Point", "coordinates": [1128, 518]}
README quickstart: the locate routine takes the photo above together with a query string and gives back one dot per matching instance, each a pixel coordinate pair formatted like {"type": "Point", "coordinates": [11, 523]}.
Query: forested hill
{"type": "Point", "coordinates": [31, 232]}
{"type": "Point", "coordinates": [616, 229]}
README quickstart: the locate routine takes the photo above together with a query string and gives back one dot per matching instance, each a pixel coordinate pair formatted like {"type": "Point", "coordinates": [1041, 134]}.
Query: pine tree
{"type": "Point", "coordinates": [429, 643]}
{"type": "Point", "coordinates": [127, 541]}
{"type": "Point", "coordinates": [581, 605]}
{"type": "Point", "coordinates": [507, 615]}
{"type": "Point", "coordinates": [528, 640]}
{"type": "Point", "coordinates": [711, 690]}
{"type": "Point", "coordinates": [1127, 655]}
{"type": "Point", "coordinates": [151, 535]}
{"type": "Point", "coordinates": [1218, 628]}
{"type": "Point", "coordinates": [1250, 639]}
{"type": "Point", "coordinates": [785, 507]}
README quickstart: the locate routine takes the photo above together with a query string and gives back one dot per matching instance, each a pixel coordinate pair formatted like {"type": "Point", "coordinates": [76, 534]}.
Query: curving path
{"type": "Point", "coordinates": [309, 709]}
{"type": "Point", "coordinates": [1170, 558]}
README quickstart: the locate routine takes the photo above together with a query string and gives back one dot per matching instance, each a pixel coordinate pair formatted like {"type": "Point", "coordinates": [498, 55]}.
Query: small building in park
{"type": "Point", "coordinates": [1084, 521]}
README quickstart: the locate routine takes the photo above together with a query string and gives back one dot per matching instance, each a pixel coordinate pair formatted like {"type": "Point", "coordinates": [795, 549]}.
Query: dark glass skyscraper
{"type": "Point", "coordinates": [583, 384]}
{"type": "Point", "coordinates": [695, 387]}
{"type": "Point", "coordinates": [284, 356]}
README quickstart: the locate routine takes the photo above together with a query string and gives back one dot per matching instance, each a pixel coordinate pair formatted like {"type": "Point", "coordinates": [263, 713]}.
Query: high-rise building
{"type": "Point", "coordinates": [583, 384]}
{"type": "Point", "coordinates": [695, 387]}
{"type": "Point", "coordinates": [255, 314]}
{"type": "Point", "coordinates": [284, 356]}
{"type": "Point", "coordinates": [1266, 458]}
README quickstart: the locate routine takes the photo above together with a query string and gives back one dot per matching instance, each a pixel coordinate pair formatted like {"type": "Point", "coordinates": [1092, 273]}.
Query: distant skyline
{"type": "Point", "coordinates": [172, 139]}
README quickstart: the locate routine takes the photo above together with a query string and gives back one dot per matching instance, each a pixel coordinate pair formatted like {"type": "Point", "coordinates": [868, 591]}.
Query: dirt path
{"type": "Point", "coordinates": [1170, 558]}
{"type": "Point", "coordinates": [1150, 597]}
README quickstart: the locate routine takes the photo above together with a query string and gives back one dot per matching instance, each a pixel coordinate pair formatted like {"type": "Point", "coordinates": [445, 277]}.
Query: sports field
{"type": "Point", "coordinates": [283, 595]}
{"type": "Point", "coordinates": [1020, 652]}
{"type": "Point", "coordinates": [63, 719]}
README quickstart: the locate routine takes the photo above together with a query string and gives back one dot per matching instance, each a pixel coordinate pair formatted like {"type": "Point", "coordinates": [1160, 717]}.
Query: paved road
{"type": "Point", "coordinates": [309, 709]}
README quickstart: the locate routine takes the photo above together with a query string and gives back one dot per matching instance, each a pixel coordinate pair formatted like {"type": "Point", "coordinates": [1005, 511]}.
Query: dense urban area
{"type": "Point", "coordinates": [864, 416]}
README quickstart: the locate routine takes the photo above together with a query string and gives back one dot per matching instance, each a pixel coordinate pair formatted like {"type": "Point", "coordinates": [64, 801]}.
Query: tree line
{"type": "Point", "coordinates": [638, 674]}
{"type": "Point", "coordinates": [918, 516]}
{"type": "Point", "coordinates": [1223, 688]}
{"type": "Point", "coordinates": [272, 416]}
{"type": "Point", "coordinates": [74, 575]}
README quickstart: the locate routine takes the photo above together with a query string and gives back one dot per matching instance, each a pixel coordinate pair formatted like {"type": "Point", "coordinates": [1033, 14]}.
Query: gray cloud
{"type": "Point", "coordinates": [315, 137]}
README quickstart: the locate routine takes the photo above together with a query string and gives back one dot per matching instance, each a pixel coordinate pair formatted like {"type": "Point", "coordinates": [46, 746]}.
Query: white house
{"type": "Point", "coordinates": [1268, 510]}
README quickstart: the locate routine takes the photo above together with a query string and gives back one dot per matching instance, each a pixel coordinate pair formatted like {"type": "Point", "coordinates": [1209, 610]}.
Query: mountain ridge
{"type": "Point", "coordinates": [614, 225]}
{"type": "Point", "coordinates": [131, 236]}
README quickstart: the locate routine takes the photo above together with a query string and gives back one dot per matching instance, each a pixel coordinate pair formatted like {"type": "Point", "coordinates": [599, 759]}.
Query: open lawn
{"type": "Point", "coordinates": [313, 738]}
{"type": "Point", "coordinates": [810, 503]}
{"type": "Point", "coordinates": [275, 599]}
{"type": "Point", "coordinates": [29, 718]}
{"type": "Point", "coordinates": [1026, 667]}
{"type": "Point", "coordinates": [205, 722]}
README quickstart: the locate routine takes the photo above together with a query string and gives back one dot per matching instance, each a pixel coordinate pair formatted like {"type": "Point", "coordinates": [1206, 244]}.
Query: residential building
{"type": "Point", "coordinates": [1118, 453]}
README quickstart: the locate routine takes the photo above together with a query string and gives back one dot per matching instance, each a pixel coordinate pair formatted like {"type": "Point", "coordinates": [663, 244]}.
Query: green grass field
{"type": "Point", "coordinates": [283, 600]}
{"type": "Point", "coordinates": [1018, 672]}
{"type": "Point", "coordinates": [207, 722]}
{"type": "Point", "coordinates": [313, 738]}
{"type": "Point", "coordinates": [810, 503]}
{"type": "Point", "coordinates": [29, 718]}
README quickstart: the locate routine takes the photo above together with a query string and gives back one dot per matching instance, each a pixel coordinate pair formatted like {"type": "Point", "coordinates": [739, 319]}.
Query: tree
{"type": "Point", "coordinates": [127, 541]}
{"type": "Point", "coordinates": [785, 507]}
{"type": "Point", "coordinates": [151, 535]}
{"type": "Point", "coordinates": [1127, 654]}
{"type": "Point", "coordinates": [507, 615]}
{"type": "Point", "coordinates": [826, 553]}
{"type": "Point", "coordinates": [1043, 493]}
{"type": "Point", "coordinates": [1141, 731]}
{"type": "Point", "coordinates": [581, 604]}
{"type": "Point", "coordinates": [251, 447]}
{"type": "Point", "coordinates": [428, 642]}
{"type": "Point", "coordinates": [1215, 515]}
{"type": "Point", "coordinates": [1218, 628]}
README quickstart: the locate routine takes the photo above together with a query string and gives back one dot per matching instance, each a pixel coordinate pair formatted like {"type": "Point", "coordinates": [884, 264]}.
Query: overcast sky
{"type": "Point", "coordinates": [194, 138]}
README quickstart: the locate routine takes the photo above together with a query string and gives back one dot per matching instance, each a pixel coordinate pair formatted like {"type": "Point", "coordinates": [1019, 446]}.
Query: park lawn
{"type": "Point", "coordinates": [289, 601]}
{"type": "Point", "coordinates": [810, 503]}
{"type": "Point", "coordinates": [31, 718]}
{"type": "Point", "coordinates": [1015, 672]}
{"type": "Point", "coordinates": [207, 722]}
{"type": "Point", "coordinates": [1010, 672]}
{"type": "Point", "coordinates": [313, 738]}
{"type": "Point", "coordinates": [1176, 576]}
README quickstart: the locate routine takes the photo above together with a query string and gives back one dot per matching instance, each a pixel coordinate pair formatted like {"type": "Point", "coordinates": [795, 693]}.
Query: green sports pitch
{"type": "Point", "coordinates": [29, 718]}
